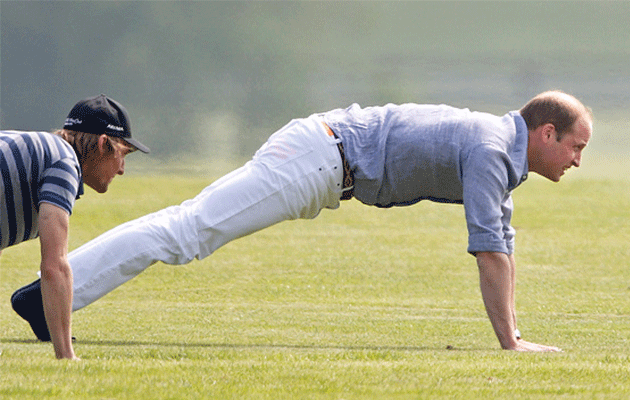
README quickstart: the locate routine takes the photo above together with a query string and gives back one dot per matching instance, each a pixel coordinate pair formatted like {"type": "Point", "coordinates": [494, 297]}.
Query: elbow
{"type": "Point", "coordinates": [59, 269]}
{"type": "Point", "coordinates": [488, 256]}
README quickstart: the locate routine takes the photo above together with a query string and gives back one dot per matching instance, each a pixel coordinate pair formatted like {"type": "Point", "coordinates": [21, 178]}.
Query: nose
{"type": "Point", "coordinates": [577, 160]}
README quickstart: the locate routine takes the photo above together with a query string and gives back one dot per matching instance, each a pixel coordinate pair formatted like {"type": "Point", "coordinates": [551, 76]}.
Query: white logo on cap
{"type": "Point", "coordinates": [73, 121]}
{"type": "Point", "coordinates": [116, 128]}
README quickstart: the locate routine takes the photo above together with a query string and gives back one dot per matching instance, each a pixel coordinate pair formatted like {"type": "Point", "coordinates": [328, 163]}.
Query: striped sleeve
{"type": "Point", "coordinates": [36, 167]}
{"type": "Point", "coordinates": [59, 184]}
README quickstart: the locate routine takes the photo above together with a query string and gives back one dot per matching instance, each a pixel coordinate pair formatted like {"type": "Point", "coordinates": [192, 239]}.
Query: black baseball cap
{"type": "Point", "coordinates": [101, 114]}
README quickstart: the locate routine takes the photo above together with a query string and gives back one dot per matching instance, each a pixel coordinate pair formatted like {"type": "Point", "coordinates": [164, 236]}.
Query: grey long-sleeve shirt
{"type": "Point", "coordinates": [401, 154]}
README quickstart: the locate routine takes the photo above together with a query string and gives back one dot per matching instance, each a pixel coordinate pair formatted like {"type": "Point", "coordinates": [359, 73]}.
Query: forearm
{"type": "Point", "coordinates": [513, 289]}
{"type": "Point", "coordinates": [56, 277]}
{"type": "Point", "coordinates": [57, 299]}
{"type": "Point", "coordinates": [496, 273]}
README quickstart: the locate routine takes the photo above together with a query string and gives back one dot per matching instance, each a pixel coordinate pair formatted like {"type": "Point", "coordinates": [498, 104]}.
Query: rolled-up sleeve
{"type": "Point", "coordinates": [487, 200]}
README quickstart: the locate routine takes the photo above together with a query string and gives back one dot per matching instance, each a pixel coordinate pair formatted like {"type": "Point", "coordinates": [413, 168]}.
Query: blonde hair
{"type": "Point", "coordinates": [85, 144]}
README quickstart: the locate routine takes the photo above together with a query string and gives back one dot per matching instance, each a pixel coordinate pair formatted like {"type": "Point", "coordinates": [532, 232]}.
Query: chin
{"type": "Point", "coordinates": [104, 188]}
{"type": "Point", "coordinates": [553, 178]}
{"type": "Point", "coordinates": [100, 188]}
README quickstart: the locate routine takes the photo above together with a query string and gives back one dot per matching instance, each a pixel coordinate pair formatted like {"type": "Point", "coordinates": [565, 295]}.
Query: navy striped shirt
{"type": "Point", "coordinates": [36, 167]}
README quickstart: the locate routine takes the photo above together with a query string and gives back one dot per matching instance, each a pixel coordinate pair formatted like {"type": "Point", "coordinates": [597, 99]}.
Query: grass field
{"type": "Point", "coordinates": [360, 303]}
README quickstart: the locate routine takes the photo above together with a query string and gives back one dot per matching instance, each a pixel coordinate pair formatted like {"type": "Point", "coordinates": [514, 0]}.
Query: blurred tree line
{"type": "Point", "coordinates": [216, 78]}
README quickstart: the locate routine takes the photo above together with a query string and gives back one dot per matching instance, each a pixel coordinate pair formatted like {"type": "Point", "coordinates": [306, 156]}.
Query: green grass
{"type": "Point", "coordinates": [359, 303]}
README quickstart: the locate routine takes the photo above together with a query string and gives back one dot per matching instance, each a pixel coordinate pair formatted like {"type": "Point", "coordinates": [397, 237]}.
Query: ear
{"type": "Point", "coordinates": [103, 142]}
{"type": "Point", "coordinates": [548, 132]}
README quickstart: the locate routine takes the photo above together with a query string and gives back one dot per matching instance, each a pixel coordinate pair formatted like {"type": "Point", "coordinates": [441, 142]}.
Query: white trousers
{"type": "Point", "coordinates": [295, 174]}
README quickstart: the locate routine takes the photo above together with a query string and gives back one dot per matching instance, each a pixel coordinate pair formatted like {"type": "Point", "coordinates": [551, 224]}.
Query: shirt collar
{"type": "Point", "coordinates": [519, 151]}
{"type": "Point", "coordinates": [80, 188]}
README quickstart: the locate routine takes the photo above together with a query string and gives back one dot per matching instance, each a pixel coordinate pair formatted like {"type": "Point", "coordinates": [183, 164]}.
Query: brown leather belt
{"type": "Point", "coordinates": [348, 176]}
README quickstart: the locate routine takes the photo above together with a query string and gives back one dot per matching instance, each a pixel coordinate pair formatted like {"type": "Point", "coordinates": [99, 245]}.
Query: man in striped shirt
{"type": "Point", "coordinates": [42, 176]}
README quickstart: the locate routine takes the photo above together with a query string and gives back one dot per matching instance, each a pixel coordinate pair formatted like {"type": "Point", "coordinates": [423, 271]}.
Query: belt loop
{"type": "Point", "coordinates": [348, 177]}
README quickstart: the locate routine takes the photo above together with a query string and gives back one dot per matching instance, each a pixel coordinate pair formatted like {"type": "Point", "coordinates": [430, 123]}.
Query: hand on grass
{"type": "Point", "coordinates": [522, 345]}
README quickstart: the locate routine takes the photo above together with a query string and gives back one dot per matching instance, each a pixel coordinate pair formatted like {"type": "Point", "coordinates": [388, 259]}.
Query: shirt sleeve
{"type": "Point", "coordinates": [487, 201]}
{"type": "Point", "coordinates": [59, 184]}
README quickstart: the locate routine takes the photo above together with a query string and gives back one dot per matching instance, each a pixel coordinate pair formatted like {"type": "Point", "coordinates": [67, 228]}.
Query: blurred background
{"type": "Point", "coordinates": [206, 82]}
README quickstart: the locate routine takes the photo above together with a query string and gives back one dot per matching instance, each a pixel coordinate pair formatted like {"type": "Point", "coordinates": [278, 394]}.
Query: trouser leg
{"type": "Point", "coordinates": [294, 175]}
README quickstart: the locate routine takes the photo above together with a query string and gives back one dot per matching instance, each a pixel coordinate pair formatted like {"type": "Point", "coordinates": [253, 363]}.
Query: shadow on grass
{"type": "Point", "coordinates": [246, 346]}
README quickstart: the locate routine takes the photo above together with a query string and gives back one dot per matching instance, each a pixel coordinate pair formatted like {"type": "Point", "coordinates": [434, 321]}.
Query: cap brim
{"type": "Point", "coordinates": [137, 145]}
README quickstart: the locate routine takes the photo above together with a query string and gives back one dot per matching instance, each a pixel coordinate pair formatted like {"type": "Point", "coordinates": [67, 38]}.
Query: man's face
{"type": "Point", "coordinates": [558, 156]}
{"type": "Point", "coordinates": [102, 170]}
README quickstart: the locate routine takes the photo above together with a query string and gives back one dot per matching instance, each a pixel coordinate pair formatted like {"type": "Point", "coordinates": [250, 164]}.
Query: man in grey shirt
{"type": "Point", "coordinates": [395, 155]}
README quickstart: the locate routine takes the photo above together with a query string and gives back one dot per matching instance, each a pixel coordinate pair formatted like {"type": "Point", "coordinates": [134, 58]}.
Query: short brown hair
{"type": "Point", "coordinates": [554, 107]}
{"type": "Point", "coordinates": [85, 143]}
